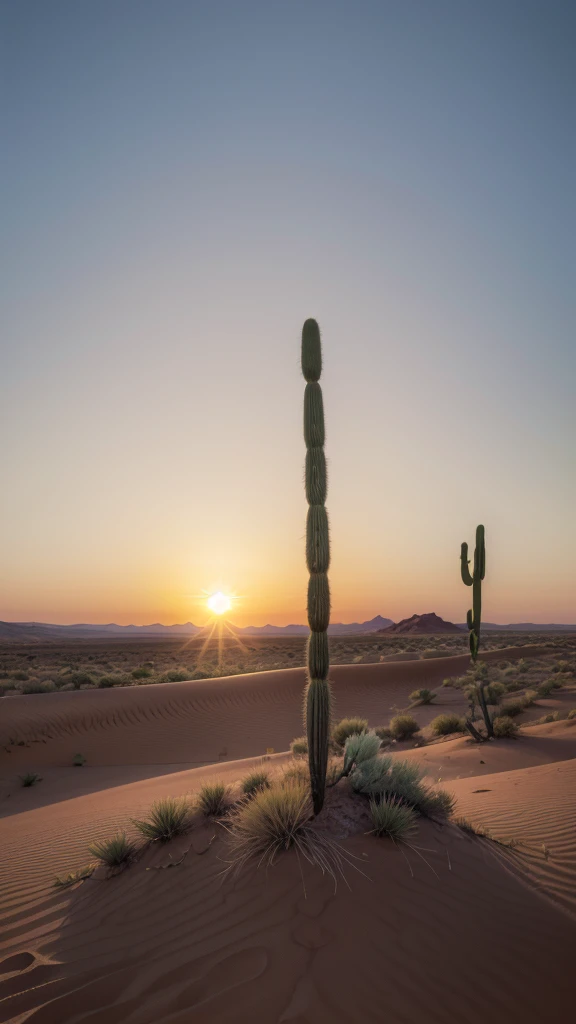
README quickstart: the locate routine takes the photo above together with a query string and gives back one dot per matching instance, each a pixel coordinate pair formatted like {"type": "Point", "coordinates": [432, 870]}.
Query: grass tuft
{"type": "Point", "coordinates": [254, 782]}
{"type": "Point", "coordinates": [444, 725]}
{"type": "Point", "coordinates": [74, 876]}
{"type": "Point", "coordinates": [299, 747]}
{"type": "Point", "coordinates": [360, 747]}
{"type": "Point", "coordinates": [393, 819]}
{"type": "Point", "coordinates": [114, 852]}
{"type": "Point", "coordinates": [403, 727]}
{"type": "Point", "coordinates": [422, 696]}
{"type": "Point", "coordinates": [30, 779]}
{"type": "Point", "coordinates": [211, 799]}
{"type": "Point", "coordinates": [504, 727]}
{"type": "Point", "coordinates": [167, 818]}
{"type": "Point", "coordinates": [348, 727]}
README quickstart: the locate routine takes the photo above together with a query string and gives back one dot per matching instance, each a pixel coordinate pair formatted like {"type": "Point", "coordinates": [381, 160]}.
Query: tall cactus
{"type": "Point", "coordinates": [474, 614]}
{"type": "Point", "coordinates": [317, 560]}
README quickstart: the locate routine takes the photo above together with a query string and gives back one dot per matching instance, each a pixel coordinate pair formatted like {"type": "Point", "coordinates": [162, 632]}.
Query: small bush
{"type": "Point", "coordinates": [175, 676]}
{"type": "Point", "coordinates": [35, 686]}
{"type": "Point", "coordinates": [512, 708]}
{"type": "Point", "coordinates": [106, 682]}
{"type": "Point", "coordinates": [383, 732]}
{"type": "Point", "coordinates": [360, 747]}
{"type": "Point", "coordinates": [494, 692]}
{"type": "Point", "coordinates": [211, 798]}
{"type": "Point", "coordinates": [78, 760]}
{"type": "Point", "coordinates": [529, 697]}
{"type": "Point", "coordinates": [504, 727]}
{"type": "Point", "coordinates": [167, 819]}
{"type": "Point", "coordinates": [572, 713]}
{"type": "Point", "coordinates": [30, 779]}
{"type": "Point", "coordinates": [141, 673]}
{"type": "Point", "coordinates": [553, 716]}
{"type": "Point", "coordinates": [299, 747]}
{"type": "Point", "coordinates": [297, 772]}
{"type": "Point", "coordinates": [444, 725]}
{"type": "Point", "coordinates": [422, 696]}
{"type": "Point", "coordinates": [115, 851]}
{"type": "Point", "coordinates": [20, 676]}
{"type": "Point", "coordinates": [254, 782]}
{"type": "Point", "coordinates": [523, 665]}
{"type": "Point", "coordinates": [348, 727]}
{"type": "Point", "coordinates": [79, 679]}
{"type": "Point", "coordinates": [393, 819]}
{"type": "Point", "coordinates": [403, 727]}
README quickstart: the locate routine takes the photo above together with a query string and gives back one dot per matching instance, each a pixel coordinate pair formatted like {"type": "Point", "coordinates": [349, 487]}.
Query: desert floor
{"type": "Point", "coordinates": [456, 928]}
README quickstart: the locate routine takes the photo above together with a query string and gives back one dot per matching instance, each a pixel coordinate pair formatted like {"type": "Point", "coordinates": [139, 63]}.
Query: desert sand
{"type": "Point", "coordinates": [460, 929]}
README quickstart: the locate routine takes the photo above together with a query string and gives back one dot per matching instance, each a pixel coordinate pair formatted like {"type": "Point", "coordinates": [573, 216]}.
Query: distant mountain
{"type": "Point", "coordinates": [529, 627]}
{"type": "Point", "coordinates": [84, 630]}
{"type": "Point", "coordinates": [428, 623]}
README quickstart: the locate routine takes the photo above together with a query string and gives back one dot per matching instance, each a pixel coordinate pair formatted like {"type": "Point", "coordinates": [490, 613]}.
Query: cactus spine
{"type": "Point", "coordinates": [317, 560]}
{"type": "Point", "coordinates": [474, 614]}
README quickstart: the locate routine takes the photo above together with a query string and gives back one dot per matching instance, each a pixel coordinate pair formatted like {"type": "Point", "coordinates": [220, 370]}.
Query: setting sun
{"type": "Point", "coordinates": [219, 603]}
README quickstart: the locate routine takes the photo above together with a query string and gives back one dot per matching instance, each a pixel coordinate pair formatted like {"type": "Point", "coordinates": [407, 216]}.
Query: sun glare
{"type": "Point", "coordinates": [219, 603]}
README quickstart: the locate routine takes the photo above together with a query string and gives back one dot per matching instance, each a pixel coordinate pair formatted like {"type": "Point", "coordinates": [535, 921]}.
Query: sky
{"type": "Point", "coordinates": [183, 183]}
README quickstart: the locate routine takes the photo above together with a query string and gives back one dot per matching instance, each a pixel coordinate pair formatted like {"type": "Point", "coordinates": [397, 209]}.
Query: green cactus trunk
{"type": "Point", "coordinates": [317, 559]}
{"type": "Point", "coordinates": [474, 615]}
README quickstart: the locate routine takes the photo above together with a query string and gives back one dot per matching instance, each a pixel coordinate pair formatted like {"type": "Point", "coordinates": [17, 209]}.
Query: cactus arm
{"type": "Point", "coordinates": [464, 562]}
{"type": "Point", "coordinates": [318, 694]}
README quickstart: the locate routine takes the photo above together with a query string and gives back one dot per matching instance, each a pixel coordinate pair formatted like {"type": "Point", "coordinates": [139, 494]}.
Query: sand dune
{"type": "Point", "coordinates": [472, 932]}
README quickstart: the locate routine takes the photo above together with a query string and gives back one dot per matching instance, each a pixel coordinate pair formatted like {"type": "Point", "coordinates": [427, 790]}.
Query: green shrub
{"type": "Point", "coordinates": [403, 727]}
{"type": "Point", "coordinates": [141, 673]}
{"type": "Point", "coordinates": [512, 708]}
{"type": "Point", "coordinates": [383, 732]}
{"type": "Point", "coordinates": [35, 686]}
{"type": "Point", "coordinates": [105, 682]}
{"type": "Point", "coordinates": [504, 727]}
{"type": "Point", "coordinates": [115, 851]}
{"type": "Point", "coordinates": [422, 696]}
{"type": "Point", "coordinates": [79, 679]}
{"type": "Point", "coordinates": [78, 760]}
{"type": "Point", "coordinates": [254, 782]}
{"type": "Point", "coordinates": [444, 725]}
{"type": "Point", "coordinates": [348, 727]}
{"type": "Point", "coordinates": [30, 779]}
{"type": "Point", "coordinates": [553, 716]}
{"type": "Point", "coordinates": [360, 747]}
{"type": "Point", "coordinates": [438, 803]}
{"type": "Point", "coordinates": [211, 798]}
{"type": "Point", "coordinates": [167, 818]}
{"type": "Point", "coordinates": [299, 747]}
{"type": "Point", "coordinates": [175, 676]}
{"type": "Point", "coordinates": [393, 819]}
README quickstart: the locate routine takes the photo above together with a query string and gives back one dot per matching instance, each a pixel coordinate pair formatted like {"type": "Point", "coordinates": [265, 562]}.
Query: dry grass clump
{"type": "Point", "coordinates": [114, 852]}
{"type": "Point", "coordinates": [546, 688]}
{"type": "Point", "coordinates": [504, 727]}
{"type": "Point", "coordinates": [299, 747]}
{"type": "Point", "coordinates": [512, 708]}
{"type": "Point", "coordinates": [383, 732]}
{"type": "Point", "coordinates": [444, 725]}
{"type": "Point", "coordinates": [422, 696]}
{"type": "Point", "coordinates": [278, 819]}
{"type": "Point", "coordinates": [212, 798]}
{"type": "Point", "coordinates": [74, 876]}
{"type": "Point", "coordinates": [167, 818]}
{"type": "Point", "coordinates": [254, 782]}
{"type": "Point", "coordinates": [484, 833]}
{"type": "Point", "coordinates": [403, 727]}
{"type": "Point", "coordinates": [572, 713]}
{"type": "Point", "coordinates": [393, 819]}
{"type": "Point", "coordinates": [30, 779]}
{"type": "Point", "coordinates": [297, 772]}
{"type": "Point", "coordinates": [530, 697]}
{"type": "Point", "coordinates": [348, 727]}
{"type": "Point", "coordinates": [494, 692]}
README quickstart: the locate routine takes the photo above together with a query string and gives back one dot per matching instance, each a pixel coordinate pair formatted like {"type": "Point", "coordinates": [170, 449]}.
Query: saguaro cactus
{"type": "Point", "coordinates": [474, 614]}
{"type": "Point", "coordinates": [317, 560]}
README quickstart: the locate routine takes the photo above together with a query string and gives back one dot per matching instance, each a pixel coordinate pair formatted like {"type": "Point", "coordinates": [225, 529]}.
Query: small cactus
{"type": "Point", "coordinates": [317, 560]}
{"type": "Point", "coordinates": [474, 617]}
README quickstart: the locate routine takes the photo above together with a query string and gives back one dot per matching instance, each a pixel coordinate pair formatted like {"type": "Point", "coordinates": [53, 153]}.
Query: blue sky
{"type": "Point", "coordinates": [184, 183]}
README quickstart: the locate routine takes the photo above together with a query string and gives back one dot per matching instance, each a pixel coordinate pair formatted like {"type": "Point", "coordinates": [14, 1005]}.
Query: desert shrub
{"type": "Point", "coordinates": [360, 747]}
{"type": "Point", "coordinates": [115, 851]}
{"type": "Point", "coordinates": [392, 818]}
{"type": "Point", "coordinates": [35, 686]}
{"type": "Point", "coordinates": [512, 708]}
{"type": "Point", "coordinates": [175, 676]}
{"type": "Point", "coordinates": [514, 686]}
{"type": "Point", "coordinates": [572, 713]}
{"type": "Point", "coordinates": [30, 779]}
{"type": "Point", "coordinates": [167, 818]}
{"type": "Point", "coordinates": [141, 673]}
{"type": "Point", "coordinates": [529, 697]}
{"type": "Point", "coordinates": [443, 725]}
{"type": "Point", "coordinates": [422, 696]}
{"type": "Point", "coordinates": [254, 782]}
{"type": "Point", "coordinates": [383, 732]}
{"type": "Point", "coordinates": [79, 679]}
{"type": "Point", "coordinates": [297, 772]}
{"type": "Point", "coordinates": [299, 747]}
{"type": "Point", "coordinates": [504, 727]}
{"type": "Point", "coordinates": [211, 798]}
{"type": "Point", "coordinates": [510, 671]}
{"type": "Point", "coordinates": [494, 692]}
{"type": "Point", "coordinates": [74, 876]}
{"type": "Point", "coordinates": [545, 688]}
{"type": "Point", "coordinates": [20, 675]}
{"type": "Point", "coordinates": [438, 803]}
{"type": "Point", "coordinates": [523, 665]}
{"type": "Point", "coordinates": [199, 674]}
{"type": "Point", "coordinates": [78, 760]}
{"type": "Point", "coordinates": [348, 727]}
{"type": "Point", "coordinates": [403, 727]}
{"type": "Point", "coordinates": [105, 682]}
{"type": "Point", "coordinates": [503, 664]}
{"type": "Point", "coordinates": [552, 716]}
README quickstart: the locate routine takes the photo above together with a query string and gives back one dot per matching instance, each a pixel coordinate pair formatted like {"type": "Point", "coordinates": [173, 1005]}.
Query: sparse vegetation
{"type": "Point", "coordinates": [572, 713]}
{"type": "Point", "coordinates": [384, 733]}
{"type": "Point", "coordinates": [505, 727]}
{"type": "Point", "coordinates": [254, 782]}
{"type": "Point", "coordinates": [359, 747]}
{"type": "Point", "coordinates": [168, 818]}
{"type": "Point", "coordinates": [114, 852]}
{"type": "Point", "coordinates": [479, 830]}
{"type": "Point", "coordinates": [74, 876]}
{"type": "Point", "coordinates": [78, 760]}
{"type": "Point", "coordinates": [212, 799]}
{"type": "Point", "coordinates": [403, 727]}
{"type": "Point", "coordinates": [348, 727]}
{"type": "Point", "coordinates": [422, 696]}
{"type": "Point", "coordinates": [512, 708]}
{"type": "Point", "coordinates": [393, 819]}
{"type": "Point", "coordinates": [443, 725]}
{"type": "Point", "coordinates": [299, 747]}
{"type": "Point", "coordinates": [30, 779]}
